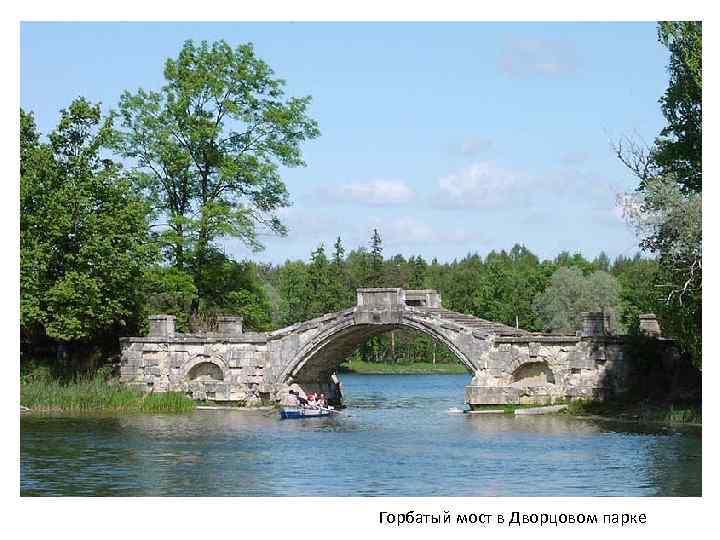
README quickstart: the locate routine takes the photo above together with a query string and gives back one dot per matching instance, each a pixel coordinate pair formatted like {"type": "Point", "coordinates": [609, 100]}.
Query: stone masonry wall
{"type": "Point", "coordinates": [565, 367]}
{"type": "Point", "coordinates": [176, 364]}
{"type": "Point", "coordinates": [509, 366]}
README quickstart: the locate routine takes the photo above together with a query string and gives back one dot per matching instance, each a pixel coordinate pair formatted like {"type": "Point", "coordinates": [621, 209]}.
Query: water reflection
{"type": "Point", "coordinates": [395, 439]}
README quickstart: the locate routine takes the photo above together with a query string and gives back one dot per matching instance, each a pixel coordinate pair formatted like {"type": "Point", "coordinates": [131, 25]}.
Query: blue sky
{"type": "Point", "coordinates": [450, 138]}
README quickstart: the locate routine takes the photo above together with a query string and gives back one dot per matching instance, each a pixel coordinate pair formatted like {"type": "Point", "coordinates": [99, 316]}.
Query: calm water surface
{"type": "Point", "coordinates": [395, 439]}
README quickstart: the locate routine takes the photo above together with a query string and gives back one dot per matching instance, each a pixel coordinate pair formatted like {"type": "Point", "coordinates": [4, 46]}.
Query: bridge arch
{"type": "Point", "coordinates": [208, 367]}
{"type": "Point", "coordinates": [317, 358]}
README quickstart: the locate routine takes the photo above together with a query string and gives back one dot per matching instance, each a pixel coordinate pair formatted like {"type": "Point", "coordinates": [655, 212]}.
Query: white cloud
{"type": "Point", "coordinates": [481, 185]}
{"type": "Point", "coordinates": [538, 58]}
{"type": "Point", "coordinates": [378, 192]}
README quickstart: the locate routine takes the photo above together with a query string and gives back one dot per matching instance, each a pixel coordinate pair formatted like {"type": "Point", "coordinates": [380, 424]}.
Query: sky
{"type": "Point", "coordinates": [449, 138]}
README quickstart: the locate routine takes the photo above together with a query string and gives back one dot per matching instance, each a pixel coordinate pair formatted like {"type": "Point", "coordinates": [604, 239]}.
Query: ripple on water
{"type": "Point", "coordinates": [394, 439]}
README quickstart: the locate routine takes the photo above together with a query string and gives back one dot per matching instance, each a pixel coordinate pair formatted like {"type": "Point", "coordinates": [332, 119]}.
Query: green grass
{"type": "Point", "coordinates": [360, 366]}
{"type": "Point", "coordinates": [675, 413]}
{"type": "Point", "coordinates": [94, 394]}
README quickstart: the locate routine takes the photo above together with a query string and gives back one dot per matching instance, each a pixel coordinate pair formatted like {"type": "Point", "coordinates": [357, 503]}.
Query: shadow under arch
{"type": "Point", "coordinates": [532, 373]}
{"type": "Point", "coordinates": [318, 358]}
{"type": "Point", "coordinates": [208, 367]}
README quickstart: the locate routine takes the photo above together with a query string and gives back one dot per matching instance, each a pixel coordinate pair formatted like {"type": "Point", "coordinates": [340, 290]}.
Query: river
{"type": "Point", "coordinates": [396, 438]}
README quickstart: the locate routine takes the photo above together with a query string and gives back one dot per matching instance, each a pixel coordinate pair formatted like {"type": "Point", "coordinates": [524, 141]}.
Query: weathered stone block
{"type": "Point", "coordinates": [484, 395]}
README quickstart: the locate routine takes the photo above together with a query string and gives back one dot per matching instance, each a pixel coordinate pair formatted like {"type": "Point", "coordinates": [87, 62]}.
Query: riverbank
{"type": "Point", "coordinates": [96, 394]}
{"type": "Point", "coordinates": [688, 414]}
{"type": "Point", "coordinates": [643, 411]}
{"type": "Point", "coordinates": [417, 368]}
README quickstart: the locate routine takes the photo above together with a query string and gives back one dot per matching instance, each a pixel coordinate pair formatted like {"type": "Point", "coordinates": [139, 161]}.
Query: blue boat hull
{"type": "Point", "coordinates": [300, 412]}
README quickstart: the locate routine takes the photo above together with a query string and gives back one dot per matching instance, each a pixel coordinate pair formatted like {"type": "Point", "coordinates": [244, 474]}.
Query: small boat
{"type": "Point", "coordinates": [305, 412]}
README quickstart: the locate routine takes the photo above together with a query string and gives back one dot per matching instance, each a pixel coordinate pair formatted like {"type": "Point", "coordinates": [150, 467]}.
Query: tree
{"type": "Point", "coordinates": [667, 208]}
{"type": "Point", "coordinates": [233, 288]}
{"type": "Point", "coordinates": [637, 278]}
{"type": "Point", "coordinates": [208, 146]}
{"type": "Point", "coordinates": [418, 269]}
{"type": "Point", "coordinates": [602, 262]}
{"type": "Point", "coordinates": [678, 149]}
{"type": "Point", "coordinates": [375, 275]}
{"type": "Point", "coordinates": [576, 260]}
{"type": "Point", "coordinates": [319, 288]}
{"type": "Point", "coordinates": [343, 296]}
{"type": "Point", "coordinates": [293, 293]}
{"type": "Point", "coordinates": [339, 254]}
{"type": "Point", "coordinates": [570, 293]}
{"type": "Point", "coordinates": [84, 233]}
{"type": "Point", "coordinates": [668, 219]}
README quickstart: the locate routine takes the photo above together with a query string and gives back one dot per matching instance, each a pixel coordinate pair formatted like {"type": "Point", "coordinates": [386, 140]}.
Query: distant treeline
{"type": "Point", "coordinates": [514, 287]}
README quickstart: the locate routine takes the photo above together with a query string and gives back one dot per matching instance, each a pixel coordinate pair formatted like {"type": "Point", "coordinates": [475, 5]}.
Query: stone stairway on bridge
{"type": "Point", "coordinates": [475, 323]}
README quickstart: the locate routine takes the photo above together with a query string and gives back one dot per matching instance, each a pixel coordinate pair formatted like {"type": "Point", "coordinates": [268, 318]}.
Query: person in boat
{"type": "Point", "coordinates": [322, 401]}
{"type": "Point", "coordinates": [335, 391]}
{"type": "Point", "coordinates": [300, 399]}
{"type": "Point", "coordinates": [314, 399]}
{"type": "Point", "coordinates": [298, 390]}
{"type": "Point", "coordinates": [292, 399]}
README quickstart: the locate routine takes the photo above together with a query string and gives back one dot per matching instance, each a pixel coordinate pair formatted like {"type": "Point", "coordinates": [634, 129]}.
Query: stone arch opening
{"type": "Point", "coordinates": [532, 374]}
{"type": "Point", "coordinates": [314, 363]}
{"type": "Point", "coordinates": [205, 371]}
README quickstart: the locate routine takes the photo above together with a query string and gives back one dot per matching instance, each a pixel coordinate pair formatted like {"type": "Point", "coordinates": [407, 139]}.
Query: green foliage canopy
{"type": "Point", "coordinates": [84, 242]}
{"type": "Point", "coordinates": [209, 145]}
{"type": "Point", "coordinates": [678, 149]}
{"type": "Point", "coordinates": [570, 293]}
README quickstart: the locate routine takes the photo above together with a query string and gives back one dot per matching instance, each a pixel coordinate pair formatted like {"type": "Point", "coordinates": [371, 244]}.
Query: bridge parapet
{"type": "Point", "coordinates": [428, 298]}
{"type": "Point", "coordinates": [379, 306]}
{"type": "Point", "coordinates": [380, 296]}
{"type": "Point", "coordinates": [395, 296]}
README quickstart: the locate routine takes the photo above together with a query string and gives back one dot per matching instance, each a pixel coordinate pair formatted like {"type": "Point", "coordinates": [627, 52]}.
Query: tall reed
{"type": "Point", "coordinates": [93, 393]}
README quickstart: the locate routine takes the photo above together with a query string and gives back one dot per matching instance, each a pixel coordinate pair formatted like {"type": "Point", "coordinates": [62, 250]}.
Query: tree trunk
{"type": "Point", "coordinates": [179, 250]}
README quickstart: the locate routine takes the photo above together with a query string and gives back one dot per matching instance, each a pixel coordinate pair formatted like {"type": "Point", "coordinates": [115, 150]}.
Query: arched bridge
{"type": "Point", "coordinates": [311, 350]}
{"type": "Point", "coordinates": [508, 365]}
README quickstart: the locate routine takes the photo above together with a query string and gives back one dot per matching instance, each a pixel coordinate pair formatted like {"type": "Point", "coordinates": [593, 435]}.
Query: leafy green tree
{"type": "Point", "coordinates": [339, 254]}
{"type": "Point", "coordinates": [343, 295]}
{"type": "Point", "coordinates": [678, 149]}
{"type": "Point", "coordinates": [319, 284]}
{"type": "Point", "coordinates": [84, 240]}
{"type": "Point", "coordinates": [293, 293]}
{"type": "Point", "coordinates": [208, 146]}
{"type": "Point", "coordinates": [602, 262]}
{"type": "Point", "coordinates": [668, 219]}
{"type": "Point", "coordinates": [170, 291]}
{"type": "Point", "coordinates": [396, 272]}
{"type": "Point", "coordinates": [639, 293]}
{"type": "Point", "coordinates": [570, 293]}
{"type": "Point", "coordinates": [667, 209]}
{"type": "Point", "coordinates": [575, 260]}
{"type": "Point", "coordinates": [234, 288]}
{"type": "Point", "coordinates": [418, 269]}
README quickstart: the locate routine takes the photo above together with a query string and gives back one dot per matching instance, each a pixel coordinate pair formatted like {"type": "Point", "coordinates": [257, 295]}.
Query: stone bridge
{"type": "Point", "coordinates": [508, 365]}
